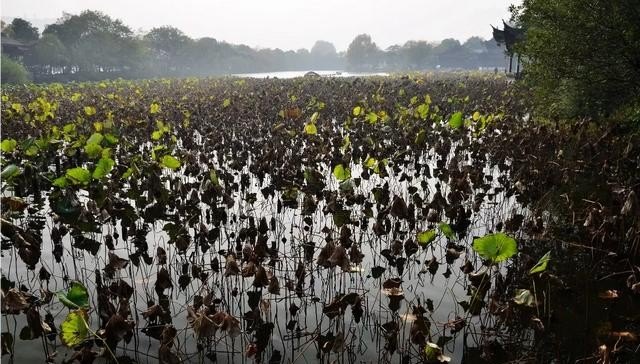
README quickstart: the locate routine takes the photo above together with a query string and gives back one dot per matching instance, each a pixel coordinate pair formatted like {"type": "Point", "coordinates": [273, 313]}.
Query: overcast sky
{"type": "Point", "coordinates": [288, 24]}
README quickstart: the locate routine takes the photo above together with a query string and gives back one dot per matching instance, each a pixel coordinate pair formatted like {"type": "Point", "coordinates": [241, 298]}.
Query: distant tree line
{"type": "Point", "coordinates": [92, 46]}
{"type": "Point", "coordinates": [364, 55]}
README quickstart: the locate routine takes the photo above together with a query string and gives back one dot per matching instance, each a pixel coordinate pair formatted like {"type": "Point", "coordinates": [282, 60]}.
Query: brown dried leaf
{"type": "Point", "coordinates": [202, 325]}
{"type": "Point", "coordinates": [232, 268]}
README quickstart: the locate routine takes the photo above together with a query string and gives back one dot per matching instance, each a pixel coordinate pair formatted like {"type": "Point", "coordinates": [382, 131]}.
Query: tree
{"type": "Point", "coordinates": [451, 54]}
{"type": "Point", "coordinates": [581, 58]}
{"type": "Point", "coordinates": [363, 54]}
{"type": "Point", "coordinates": [70, 29]}
{"type": "Point", "coordinates": [475, 45]}
{"type": "Point", "coordinates": [203, 56]}
{"type": "Point", "coordinates": [324, 55]}
{"type": "Point", "coordinates": [47, 55]}
{"type": "Point", "coordinates": [323, 48]}
{"type": "Point", "coordinates": [97, 43]}
{"type": "Point", "coordinates": [417, 54]}
{"type": "Point", "coordinates": [22, 30]}
{"type": "Point", "coordinates": [12, 71]}
{"type": "Point", "coordinates": [167, 45]}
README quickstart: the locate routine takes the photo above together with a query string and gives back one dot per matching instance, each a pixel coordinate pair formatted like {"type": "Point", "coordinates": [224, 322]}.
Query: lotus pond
{"type": "Point", "coordinates": [336, 220]}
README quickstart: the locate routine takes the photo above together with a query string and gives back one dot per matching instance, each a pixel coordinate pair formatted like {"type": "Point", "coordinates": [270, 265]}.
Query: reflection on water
{"type": "Point", "coordinates": [378, 327]}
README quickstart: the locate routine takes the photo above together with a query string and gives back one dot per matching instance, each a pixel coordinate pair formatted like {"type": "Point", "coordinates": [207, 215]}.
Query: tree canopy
{"type": "Point", "coordinates": [363, 53]}
{"type": "Point", "coordinates": [581, 58]}
{"type": "Point", "coordinates": [21, 30]}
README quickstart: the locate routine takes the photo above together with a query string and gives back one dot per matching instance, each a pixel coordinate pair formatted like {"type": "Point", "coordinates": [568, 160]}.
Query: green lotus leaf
{"type": "Point", "coordinates": [10, 171]}
{"type": "Point", "coordinates": [95, 138]}
{"type": "Point", "coordinates": [310, 129]}
{"type": "Point", "coordinates": [103, 167]}
{"type": "Point", "coordinates": [456, 121]}
{"type": "Point", "coordinates": [447, 230]}
{"type": "Point", "coordinates": [8, 145]}
{"type": "Point", "coordinates": [93, 150]}
{"type": "Point", "coordinates": [341, 173]}
{"type": "Point", "coordinates": [76, 297]}
{"type": "Point", "coordinates": [426, 237]}
{"type": "Point", "coordinates": [495, 247]}
{"type": "Point", "coordinates": [78, 175]}
{"type": "Point", "coordinates": [74, 329]}
{"type": "Point", "coordinates": [170, 162]}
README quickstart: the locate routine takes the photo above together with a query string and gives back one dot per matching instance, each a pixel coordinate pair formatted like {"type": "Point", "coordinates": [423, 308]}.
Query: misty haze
{"type": "Point", "coordinates": [95, 44]}
{"type": "Point", "coordinates": [320, 181]}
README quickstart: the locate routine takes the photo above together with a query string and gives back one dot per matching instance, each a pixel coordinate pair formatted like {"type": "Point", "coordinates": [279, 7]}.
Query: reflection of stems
{"type": "Point", "coordinates": [13, 342]}
{"type": "Point", "coordinates": [86, 324]}
{"type": "Point", "coordinates": [548, 306]}
{"type": "Point", "coordinates": [473, 297]}
{"type": "Point", "coordinates": [535, 296]}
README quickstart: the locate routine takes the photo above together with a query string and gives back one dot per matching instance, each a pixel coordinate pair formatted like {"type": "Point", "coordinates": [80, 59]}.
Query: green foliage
{"type": "Point", "coordinates": [341, 172]}
{"type": "Point", "coordinates": [10, 171]}
{"type": "Point", "coordinates": [423, 111]}
{"type": "Point", "coordinates": [541, 266]}
{"type": "Point", "coordinates": [363, 53]}
{"type": "Point", "coordinates": [314, 117]}
{"type": "Point", "coordinates": [76, 297]}
{"type": "Point", "coordinates": [78, 175]}
{"type": "Point", "coordinates": [61, 182]}
{"type": "Point", "coordinates": [89, 110]}
{"type": "Point", "coordinates": [346, 143]}
{"type": "Point", "coordinates": [95, 138]}
{"type": "Point", "coordinates": [49, 50]}
{"type": "Point", "coordinates": [22, 30]}
{"type": "Point", "coordinates": [8, 145]}
{"type": "Point", "coordinates": [213, 177]}
{"type": "Point", "coordinates": [456, 121]}
{"type": "Point", "coordinates": [103, 167]}
{"type": "Point", "coordinates": [372, 117]}
{"type": "Point", "coordinates": [370, 162]}
{"type": "Point", "coordinates": [170, 162]}
{"type": "Point", "coordinates": [433, 354]}
{"type": "Point", "coordinates": [581, 59]}
{"type": "Point", "coordinates": [154, 108]}
{"type": "Point", "coordinates": [495, 247]}
{"type": "Point", "coordinates": [162, 128]}
{"type": "Point", "coordinates": [310, 129]}
{"type": "Point", "coordinates": [93, 150]}
{"type": "Point", "coordinates": [426, 237]}
{"type": "Point", "coordinates": [74, 329]}
{"type": "Point", "coordinates": [111, 139]}
{"type": "Point", "coordinates": [95, 43]}
{"type": "Point", "coordinates": [13, 72]}
{"type": "Point", "coordinates": [447, 230]}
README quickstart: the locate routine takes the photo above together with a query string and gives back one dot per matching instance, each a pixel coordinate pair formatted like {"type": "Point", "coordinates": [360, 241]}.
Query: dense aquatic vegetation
{"type": "Point", "coordinates": [412, 219]}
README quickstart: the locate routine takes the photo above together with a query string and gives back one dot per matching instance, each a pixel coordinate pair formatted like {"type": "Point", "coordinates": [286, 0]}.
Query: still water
{"type": "Point", "coordinates": [297, 335]}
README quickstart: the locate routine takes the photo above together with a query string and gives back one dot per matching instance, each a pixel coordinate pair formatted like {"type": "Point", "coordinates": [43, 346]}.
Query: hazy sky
{"type": "Point", "coordinates": [289, 24]}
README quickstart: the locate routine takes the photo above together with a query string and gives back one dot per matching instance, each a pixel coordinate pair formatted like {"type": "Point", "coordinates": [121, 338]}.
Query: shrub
{"type": "Point", "coordinates": [13, 71]}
